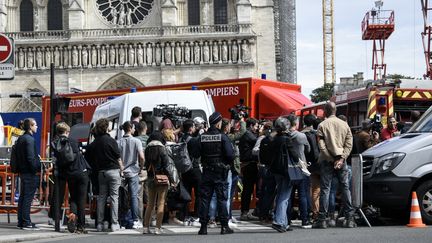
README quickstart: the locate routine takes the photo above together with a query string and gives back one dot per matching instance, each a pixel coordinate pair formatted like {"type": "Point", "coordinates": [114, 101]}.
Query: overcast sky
{"type": "Point", "coordinates": [404, 49]}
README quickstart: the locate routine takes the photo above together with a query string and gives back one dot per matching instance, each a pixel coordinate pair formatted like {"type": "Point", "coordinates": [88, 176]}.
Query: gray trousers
{"type": "Point", "coordinates": [327, 171]}
{"type": "Point", "coordinates": [109, 183]}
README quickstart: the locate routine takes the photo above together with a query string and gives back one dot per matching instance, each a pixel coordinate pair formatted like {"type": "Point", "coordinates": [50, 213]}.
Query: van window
{"type": "Point", "coordinates": [113, 127]}
{"type": "Point", "coordinates": [424, 124]}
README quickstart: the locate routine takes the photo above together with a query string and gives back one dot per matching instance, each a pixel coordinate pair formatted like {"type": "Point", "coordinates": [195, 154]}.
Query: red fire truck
{"type": "Point", "coordinates": [379, 99]}
{"type": "Point", "coordinates": [267, 99]}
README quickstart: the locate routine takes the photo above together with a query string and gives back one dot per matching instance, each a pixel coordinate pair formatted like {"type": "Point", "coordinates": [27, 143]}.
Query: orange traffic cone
{"type": "Point", "coordinates": [415, 218]}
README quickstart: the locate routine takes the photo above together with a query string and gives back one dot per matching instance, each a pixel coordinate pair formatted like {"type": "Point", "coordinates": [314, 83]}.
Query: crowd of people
{"type": "Point", "coordinates": [144, 179]}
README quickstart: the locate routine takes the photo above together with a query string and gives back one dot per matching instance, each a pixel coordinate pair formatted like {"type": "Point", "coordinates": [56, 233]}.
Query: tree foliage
{"type": "Point", "coordinates": [398, 76]}
{"type": "Point", "coordinates": [323, 93]}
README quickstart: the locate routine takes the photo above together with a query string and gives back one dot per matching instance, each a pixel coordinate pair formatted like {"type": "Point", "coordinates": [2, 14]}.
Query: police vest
{"type": "Point", "coordinates": [211, 149]}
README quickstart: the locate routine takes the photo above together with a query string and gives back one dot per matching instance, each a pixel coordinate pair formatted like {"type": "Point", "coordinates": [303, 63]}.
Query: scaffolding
{"type": "Point", "coordinates": [328, 42]}
{"type": "Point", "coordinates": [427, 37]}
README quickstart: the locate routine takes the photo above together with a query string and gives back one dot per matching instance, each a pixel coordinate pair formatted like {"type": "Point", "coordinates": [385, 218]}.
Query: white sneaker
{"type": "Point", "coordinates": [115, 227]}
{"type": "Point", "coordinates": [234, 220]}
{"type": "Point", "coordinates": [232, 225]}
{"type": "Point", "coordinates": [100, 228]}
{"type": "Point", "coordinates": [51, 221]}
{"type": "Point", "coordinates": [147, 231]}
{"type": "Point", "coordinates": [212, 224]}
{"type": "Point", "coordinates": [158, 231]}
{"type": "Point", "coordinates": [137, 225]}
{"type": "Point", "coordinates": [195, 222]}
{"type": "Point", "coordinates": [176, 221]}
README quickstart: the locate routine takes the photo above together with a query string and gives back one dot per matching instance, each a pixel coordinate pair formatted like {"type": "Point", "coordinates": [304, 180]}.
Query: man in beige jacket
{"type": "Point", "coordinates": [335, 144]}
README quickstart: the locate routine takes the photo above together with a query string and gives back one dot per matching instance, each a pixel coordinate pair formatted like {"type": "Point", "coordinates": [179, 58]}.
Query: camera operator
{"type": "Point", "coordinates": [391, 129]}
{"type": "Point", "coordinates": [366, 138]}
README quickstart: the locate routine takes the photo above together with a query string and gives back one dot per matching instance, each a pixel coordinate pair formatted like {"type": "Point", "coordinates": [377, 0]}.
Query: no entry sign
{"type": "Point", "coordinates": [7, 68]}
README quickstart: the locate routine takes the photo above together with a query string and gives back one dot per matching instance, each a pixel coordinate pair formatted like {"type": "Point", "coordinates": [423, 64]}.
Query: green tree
{"type": "Point", "coordinates": [323, 93]}
{"type": "Point", "coordinates": [398, 76]}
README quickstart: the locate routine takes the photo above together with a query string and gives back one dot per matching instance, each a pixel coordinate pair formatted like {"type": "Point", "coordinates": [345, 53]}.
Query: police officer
{"type": "Point", "coordinates": [216, 156]}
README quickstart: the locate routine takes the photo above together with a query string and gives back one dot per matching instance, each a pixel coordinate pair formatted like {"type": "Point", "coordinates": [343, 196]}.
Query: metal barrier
{"type": "Point", "coordinates": [357, 184]}
{"type": "Point", "coordinates": [10, 187]}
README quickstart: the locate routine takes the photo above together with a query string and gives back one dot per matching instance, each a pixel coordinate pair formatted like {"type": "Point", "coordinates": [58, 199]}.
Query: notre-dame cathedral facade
{"type": "Point", "coordinates": [111, 44]}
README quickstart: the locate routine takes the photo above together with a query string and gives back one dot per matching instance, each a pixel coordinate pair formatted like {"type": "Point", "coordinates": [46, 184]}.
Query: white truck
{"type": "Point", "coordinates": [118, 110]}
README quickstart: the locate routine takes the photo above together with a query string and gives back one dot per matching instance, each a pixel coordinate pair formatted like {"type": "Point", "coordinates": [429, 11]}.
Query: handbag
{"type": "Point", "coordinates": [159, 179]}
{"type": "Point", "coordinates": [295, 172]}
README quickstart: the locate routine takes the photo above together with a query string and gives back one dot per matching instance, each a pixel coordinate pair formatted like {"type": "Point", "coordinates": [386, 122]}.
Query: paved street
{"type": "Point", "coordinates": [246, 232]}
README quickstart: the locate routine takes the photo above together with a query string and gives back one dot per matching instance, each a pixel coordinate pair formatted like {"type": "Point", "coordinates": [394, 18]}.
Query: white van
{"type": "Point", "coordinates": [118, 110]}
{"type": "Point", "coordinates": [395, 168]}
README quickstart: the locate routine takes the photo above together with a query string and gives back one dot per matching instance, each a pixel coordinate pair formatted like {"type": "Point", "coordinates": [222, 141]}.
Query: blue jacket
{"type": "Point", "coordinates": [28, 158]}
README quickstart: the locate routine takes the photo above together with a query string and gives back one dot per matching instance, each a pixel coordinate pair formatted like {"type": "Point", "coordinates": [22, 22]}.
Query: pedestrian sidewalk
{"type": "Point", "coordinates": [9, 232]}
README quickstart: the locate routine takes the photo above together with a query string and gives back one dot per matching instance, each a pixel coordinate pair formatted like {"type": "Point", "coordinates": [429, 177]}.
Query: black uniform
{"type": "Point", "coordinates": [217, 155]}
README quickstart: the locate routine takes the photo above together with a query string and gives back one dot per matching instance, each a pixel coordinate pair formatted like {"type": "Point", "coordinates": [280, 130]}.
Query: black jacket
{"type": "Point", "coordinates": [157, 161]}
{"type": "Point", "coordinates": [103, 153]}
{"type": "Point", "coordinates": [246, 144]}
{"type": "Point", "coordinates": [28, 158]}
{"type": "Point", "coordinates": [278, 165]}
{"type": "Point", "coordinates": [193, 149]}
{"type": "Point", "coordinates": [76, 167]}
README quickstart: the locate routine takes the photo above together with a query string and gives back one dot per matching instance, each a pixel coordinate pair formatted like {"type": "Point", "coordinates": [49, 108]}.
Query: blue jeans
{"type": "Point", "coordinates": [303, 188]}
{"type": "Point", "coordinates": [213, 202]}
{"type": "Point", "coordinates": [334, 189]}
{"type": "Point", "coordinates": [283, 194]}
{"type": "Point", "coordinates": [134, 188]}
{"type": "Point", "coordinates": [327, 172]}
{"type": "Point", "coordinates": [234, 181]}
{"type": "Point", "coordinates": [29, 184]}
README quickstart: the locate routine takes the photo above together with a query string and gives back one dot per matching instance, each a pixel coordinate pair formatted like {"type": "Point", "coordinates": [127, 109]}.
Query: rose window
{"type": "Point", "coordinates": [124, 12]}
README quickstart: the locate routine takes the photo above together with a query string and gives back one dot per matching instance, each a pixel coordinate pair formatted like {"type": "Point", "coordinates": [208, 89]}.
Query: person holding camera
{"type": "Point", "coordinates": [366, 138]}
{"type": "Point", "coordinates": [391, 129]}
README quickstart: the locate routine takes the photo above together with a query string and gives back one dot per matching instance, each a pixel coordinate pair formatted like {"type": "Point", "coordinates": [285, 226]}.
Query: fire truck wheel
{"type": "Point", "coordinates": [424, 195]}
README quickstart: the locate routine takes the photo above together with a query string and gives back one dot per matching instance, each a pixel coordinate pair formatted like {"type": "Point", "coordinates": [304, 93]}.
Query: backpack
{"type": "Point", "coordinates": [180, 156]}
{"type": "Point", "coordinates": [313, 154]}
{"type": "Point", "coordinates": [265, 152]}
{"type": "Point", "coordinates": [63, 151]}
{"type": "Point", "coordinates": [14, 163]}
{"type": "Point", "coordinates": [279, 162]}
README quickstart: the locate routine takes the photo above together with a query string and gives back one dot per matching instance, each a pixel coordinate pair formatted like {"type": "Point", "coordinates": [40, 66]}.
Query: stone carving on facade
{"type": "Point", "coordinates": [168, 56]}
{"type": "Point", "coordinates": [39, 58]}
{"type": "Point", "coordinates": [36, 19]}
{"type": "Point", "coordinates": [122, 16]}
{"type": "Point", "coordinates": [158, 54]}
{"type": "Point", "coordinates": [94, 60]}
{"type": "Point", "coordinates": [30, 58]}
{"type": "Point", "coordinates": [103, 56]}
{"type": "Point", "coordinates": [149, 54]}
{"type": "Point", "coordinates": [206, 53]}
{"type": "Point", "coordinates": [74, 56]}
{"type": "Point", "coordinates": [84, 56]}
{"type": "Point", "coordinates": [215, 52]}
{"type": "Point", "coordinates": [131, 55]}
{"type": "Point", "coordinates": [178, 53]}
{"type": "Point", "coordinates": [114, 13]}
{"type": "Point", "coordinates": [187, 51]}
{"type": "Point", "coordinates": [234, 51]}
{"type": "Point", "coordinates": [140, 55]}
{"type": "Point", "coordinates": [56, 57]}
{"type": "Point", "coordinates": [197, 53]}
{"type": "Point", "coordinates": [48, 57]}
{"type": "Point", "coordinates": [122, 55]}
{"type": "Point", "coordinates": [112, 55]}
{"type": "Point", "coordinates": [224, 52]}
{"type": "Point", "coordinates": [21, 58]}
{"type": "Point", "coordinates": [246, 56]}
{"type": "Point", "coordinates": [129, 17]}
{"type": "Point", "coordinates": [67, 59]}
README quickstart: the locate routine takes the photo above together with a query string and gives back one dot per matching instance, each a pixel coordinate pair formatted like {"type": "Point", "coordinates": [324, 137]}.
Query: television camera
{"type": "Point", "coordinates": [240, 110]}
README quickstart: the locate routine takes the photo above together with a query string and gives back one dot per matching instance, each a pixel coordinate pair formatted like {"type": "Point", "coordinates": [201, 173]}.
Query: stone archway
{"type": "Point", "coordinates": [120, 81]}
{"type": "Point", "coordinates": [206, 79]}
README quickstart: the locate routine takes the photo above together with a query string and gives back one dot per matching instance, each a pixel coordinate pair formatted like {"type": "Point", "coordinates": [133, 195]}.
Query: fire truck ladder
{"type": "Point", "coordinates": [378, 25]}
{"type": "Point", "coordinates": [427, 36]}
